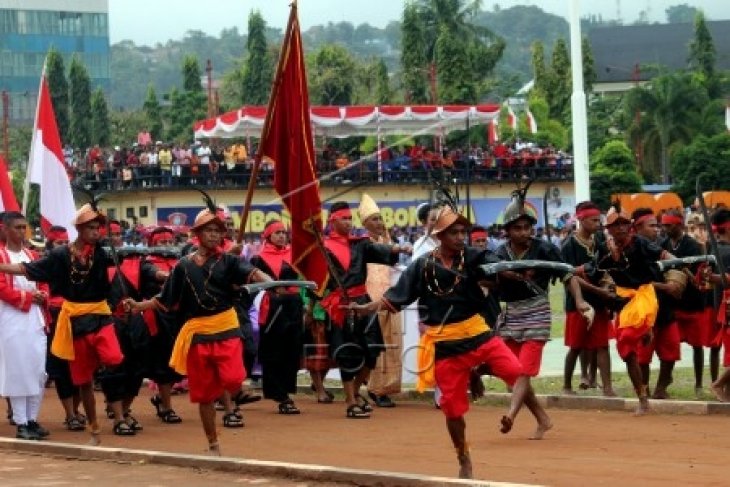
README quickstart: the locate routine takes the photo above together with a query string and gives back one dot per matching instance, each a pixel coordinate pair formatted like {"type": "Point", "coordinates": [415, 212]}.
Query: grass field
{"type": "Point", "coordinates": [557, 306]}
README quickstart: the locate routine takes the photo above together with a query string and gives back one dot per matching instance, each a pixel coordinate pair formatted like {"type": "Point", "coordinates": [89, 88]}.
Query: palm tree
{"type": "Point", "coordinates": [670, 108]}
{"type": "Point", "coordinates": [456, 17]}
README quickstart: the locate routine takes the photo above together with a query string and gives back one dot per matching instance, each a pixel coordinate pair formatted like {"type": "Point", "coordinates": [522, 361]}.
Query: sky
{"type": "Point", "coordinates": [151, 21]}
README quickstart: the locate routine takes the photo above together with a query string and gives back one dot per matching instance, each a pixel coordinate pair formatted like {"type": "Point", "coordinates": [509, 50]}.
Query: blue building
{"type": "Point", "coordinates": [28, 29]}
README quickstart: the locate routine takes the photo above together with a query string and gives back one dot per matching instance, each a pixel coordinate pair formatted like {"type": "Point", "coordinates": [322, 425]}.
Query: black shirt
{"type": "Point", "coordinates": [576, 254]}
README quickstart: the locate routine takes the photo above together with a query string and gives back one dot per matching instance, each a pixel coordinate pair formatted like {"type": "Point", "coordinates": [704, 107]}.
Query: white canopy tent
{"type": "Point", "coordinates": [349, 121]}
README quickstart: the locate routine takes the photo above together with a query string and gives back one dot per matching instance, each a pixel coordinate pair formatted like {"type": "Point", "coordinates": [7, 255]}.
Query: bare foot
{"type": "Point", "coordinates": [720, 392]}
{"type": "Point", "coordinates": [568, 392]}
{"type": "Point", "coordinates": [660, 394]}
{"type": "Point", "coordinates": [506, 424]}
{"type": "Point", "coordinates": [643, 407]}
{"type": "Point", "coordinates": [214, 449]}
{"type": "Point", "coordinates": [584, 384]}
{"type": "Point", "coordinates": [465, 469]}
{"type": "Point", "coordinates": [609, 393]}
{"type": "Point", "coordinates": [542, 428]}
{"type": "Point", "coordinates": [95, 439]}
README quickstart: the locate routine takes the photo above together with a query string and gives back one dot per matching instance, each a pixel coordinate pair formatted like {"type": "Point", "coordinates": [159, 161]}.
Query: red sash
{"type": "Point", "coordinates": [333, 302]}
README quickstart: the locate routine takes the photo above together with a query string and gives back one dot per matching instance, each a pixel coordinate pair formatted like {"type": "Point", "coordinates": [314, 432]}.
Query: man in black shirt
{"type": "Point", "coordinates": [208, 348]}
{"type": "Point", "coordinates": [721, 228]}
{"type": "Point", "coordinates": [446, 282]}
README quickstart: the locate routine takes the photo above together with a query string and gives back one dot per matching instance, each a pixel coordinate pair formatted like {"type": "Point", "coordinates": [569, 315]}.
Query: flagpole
{"type": "Point", "coordinates": [267, 122]}
{"type": "Point", "coordinates": [29, 169]}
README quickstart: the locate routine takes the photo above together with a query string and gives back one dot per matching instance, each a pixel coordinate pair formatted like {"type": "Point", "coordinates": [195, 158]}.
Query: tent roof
{"type": "Point", "coordinates": [349, 121]}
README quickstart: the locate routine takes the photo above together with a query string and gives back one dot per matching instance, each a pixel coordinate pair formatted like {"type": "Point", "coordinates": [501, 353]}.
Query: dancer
{"type": "Point", "coordinates": [446, 282]}
{"type": "Point", "coordinates": [201, 289]}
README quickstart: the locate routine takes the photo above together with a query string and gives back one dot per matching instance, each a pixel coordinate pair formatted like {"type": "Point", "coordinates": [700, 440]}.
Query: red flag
{"type": "Point", "coordinates": [48, 168]}
{"type": "Point", "coordinates": [493, 132]}
{"type": "Point", "coordinates": [8, 201]}
{"type": "Point", "coordinates": [286, 140]}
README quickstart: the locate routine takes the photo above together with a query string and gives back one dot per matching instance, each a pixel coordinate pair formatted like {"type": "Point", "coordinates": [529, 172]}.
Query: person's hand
{"type": "Point", "coordinates": [363, 309]}
{"type": "Point", "coordinates": [39, 298]}
{"type": "Point", "coordinates": [236, 249]}
{"type": "Point", "coordinates": [407, 248]}
{"type": "Point", "coordinates": [130, 305]}
{"type": "Point", "coordinates": [308, 318]}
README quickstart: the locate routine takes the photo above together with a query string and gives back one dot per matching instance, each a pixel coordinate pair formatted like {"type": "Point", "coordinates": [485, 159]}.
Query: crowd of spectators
{"type": "Point", "coordinates": [159, 164]}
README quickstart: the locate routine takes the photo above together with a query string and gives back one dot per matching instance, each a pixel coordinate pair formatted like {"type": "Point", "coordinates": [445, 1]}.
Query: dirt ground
{"type": "Point", "coordinates": [597, 447]}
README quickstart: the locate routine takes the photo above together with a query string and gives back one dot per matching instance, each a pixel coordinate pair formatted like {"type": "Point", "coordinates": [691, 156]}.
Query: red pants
{"type": "Point", "coordinates": [726, 347]}
{"type": "Point", "coordinates": [666, 344]}
{"type": "Point", "coordinates": [578, 335]}
{"type": "Point", "coordinates": [215, 367]}
{"type": "Point", "coordinates": [92, 350]}
{"type": "Point", "coordinates": [696, 327]}
{"type": "Point", "coordinates": [452, 374]}
{"type": "Point", "coordinates": [629, 340]}
{"type": "Point", "coordinates": [529, 354]}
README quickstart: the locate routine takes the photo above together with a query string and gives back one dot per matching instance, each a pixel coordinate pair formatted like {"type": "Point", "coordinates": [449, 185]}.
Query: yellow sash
{"type": "Point", "coordinates": [63, 341]}
{"type": "Point", "coordinates": [201, 325]}
{"type": "Point", "coordinates": [448, 332]}
{"type": "Point", "coordinates": [642, 308]}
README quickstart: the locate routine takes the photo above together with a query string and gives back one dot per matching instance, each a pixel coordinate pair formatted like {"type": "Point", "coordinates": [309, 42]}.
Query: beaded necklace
{"type": "Point", "coordinates": [79, 271]}
{"type": "Point", "coordinates": [206, 294]}
{"type": "Point", "coordinates": [429, 273]}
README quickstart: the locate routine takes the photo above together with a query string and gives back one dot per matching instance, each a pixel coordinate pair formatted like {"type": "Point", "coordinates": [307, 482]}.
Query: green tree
{"type": "Point", "coordinates": [589, 66]}
{"type": "Point", "coordinates": [679, 14]}
{"type": "Point", "coordinates": [669, 109]}
{"type": "Point", "coordinates": [100, 126]}
{"type": "Point", "coordinates": [58, 87]}
{"type": "Point", "coordinates": [613, 170]}
{"type": "Point", "coordinates": [413, 55]}
{"type": "Point", "coordinates": [189, 105]}
{"type": "Point", "coordinates": [708, 157]}
{"type": "Point", "coordinates": [702, 56]}
{"type": "Point", "coordinates": [559, 81]}
{"type": "Point", "coordinates": [258, 69]}
{"type": "Point", "coordinates": [456, 85]}
{"type": "Point", "coordinates": [191, 74]}
{"type": "Point", "coordinates": [383, 93]}
{"type": "Point", "coordinates": [153, 112]}
{"type": "Point", "coordinates": [483, 49]}
{"type": "Point", "coordinates": [126, 125]}
{"type": "Point", "coordinates": [80, 131]}
{"type": "Point", "coordinates": [330, 77]}
{"type": "Point", "coordinates": [539, 71]}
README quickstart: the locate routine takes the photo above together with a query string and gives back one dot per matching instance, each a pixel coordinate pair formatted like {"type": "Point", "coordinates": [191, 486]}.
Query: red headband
{"type": "Point", "coordinates": [160, 236]}
{"type": "Point", "coordinates": [272, 228]}
{"type": "Point", "coordinates": [340, 214]}
{"type": "Point", "coordinates": [54, 235]}
{"type": "Point", "coordinates": [722, 226]}
{"type": "Point", "coordinates": [478, 234]}
{"type": "Point", "coordinates": [587, 213]}
{"type": "Point", "coordinates": [115, 228]}
{"type": "Point", "coordinates": [643, 218]}
{"type": "Point", "coordinates": [668, 219]}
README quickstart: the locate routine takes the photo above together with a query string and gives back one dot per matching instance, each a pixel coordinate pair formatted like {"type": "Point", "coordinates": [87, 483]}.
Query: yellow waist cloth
{"type": "Point", "coordinates": [468, 328]}
{"type": "Point", "coordinates": [62, 345]}
{"type": "Point", "coordinates": [201, 325]}
{"type": "Point", "coordinates": [642, 308]}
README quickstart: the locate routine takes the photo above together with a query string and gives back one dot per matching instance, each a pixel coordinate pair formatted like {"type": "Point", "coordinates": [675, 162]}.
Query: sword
{"type": "Point", "coordinates": [521, 265]}
{"type": "Point", "coordinates": [667, 264]}
{"type": "Point", "coordinates": [255, 287]}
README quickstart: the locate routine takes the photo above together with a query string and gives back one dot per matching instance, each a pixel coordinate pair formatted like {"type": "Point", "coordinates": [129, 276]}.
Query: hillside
{"type": "Point", "coordinates": [133, 67]}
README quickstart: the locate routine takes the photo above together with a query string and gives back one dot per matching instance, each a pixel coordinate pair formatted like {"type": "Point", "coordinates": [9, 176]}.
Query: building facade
{"type": "Point", "coordinates": [29, 28]}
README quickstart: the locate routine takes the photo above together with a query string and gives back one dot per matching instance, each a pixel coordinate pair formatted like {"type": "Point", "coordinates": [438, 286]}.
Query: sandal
{"type": "Point", "coordinates": [122, 429]}
{"type": "Point", "coordinates": [363, 403]}
{"type": "Point", "coordinates": [132, 422]}
{"type": "Point", "coordinates": [327, 399]}
{"type": "Point", "coordinates": [232, 420]}
{"type": "Point", "coordinates": [81, 418]}
{"type": "Point", "coordinates": [219, 406]}
{"type": "Point", "coordinates": [74, 424]}
{"type": "Point", "coordinates": [169, 417]}
{"type": "Point", "coordinates": [288, 407]}
{"type": "Point", "coordinates": [357, 412]}
{"type": "Point", "coordinates": [245, 398]}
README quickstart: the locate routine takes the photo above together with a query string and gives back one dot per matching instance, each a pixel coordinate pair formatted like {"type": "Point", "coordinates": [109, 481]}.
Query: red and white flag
{"type": "Point", "coordinates": [8, 202]}
{"type": "Point", "coordinates": [47, 167]}
{"type": "Point", "coordinates": [511, 118]}
{"type": "Point", "coordinates": [531, 122]}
